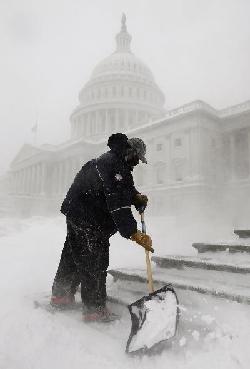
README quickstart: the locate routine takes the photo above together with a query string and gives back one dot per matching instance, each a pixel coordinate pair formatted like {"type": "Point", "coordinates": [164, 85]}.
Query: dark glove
{"type": "Point", "coordinates": [143, 240]}
{"type": "Point", "coordinates": [140, 201]}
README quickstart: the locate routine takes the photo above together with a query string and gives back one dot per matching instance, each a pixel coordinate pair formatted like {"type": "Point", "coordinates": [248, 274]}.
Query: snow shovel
{"type": "Point", "coordinates": [154, 317]}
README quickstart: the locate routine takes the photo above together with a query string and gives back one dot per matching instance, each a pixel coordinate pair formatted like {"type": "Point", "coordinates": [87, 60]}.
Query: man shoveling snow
{"type": "Point", "coordinates": [97, 205]}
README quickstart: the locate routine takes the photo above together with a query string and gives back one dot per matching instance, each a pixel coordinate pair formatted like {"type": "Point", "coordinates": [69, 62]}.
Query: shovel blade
{"type": "Point", "coordinates": [154, 320]}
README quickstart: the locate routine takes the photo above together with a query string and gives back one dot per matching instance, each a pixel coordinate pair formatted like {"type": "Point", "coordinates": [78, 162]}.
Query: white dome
{"type": "Point", "coordinates": [120, 95]}
{"type": "Point", "coordinates": [122, 63]}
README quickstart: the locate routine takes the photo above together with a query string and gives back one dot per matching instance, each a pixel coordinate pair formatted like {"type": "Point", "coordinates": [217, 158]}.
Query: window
{"type": "Point", "coordinates": [160, 173]}
{"type": "Point", "coordinates": [178, 172]}
{"type": "Point", "coordinates": [213, 142]}
{"type": "Point", "coordinates": [177, 142]}
{"type": "Point", "coordinates": [159, 147]}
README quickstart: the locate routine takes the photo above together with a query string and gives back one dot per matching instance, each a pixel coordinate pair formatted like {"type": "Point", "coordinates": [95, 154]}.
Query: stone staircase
{"type": "Point", "coordinates": [220, 270]}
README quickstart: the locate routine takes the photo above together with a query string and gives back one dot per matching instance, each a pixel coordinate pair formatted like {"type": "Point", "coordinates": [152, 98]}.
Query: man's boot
{"type": "Point", "coordinates": [100, 314]}
{"type": "Point", "coordinates": [63, 302]}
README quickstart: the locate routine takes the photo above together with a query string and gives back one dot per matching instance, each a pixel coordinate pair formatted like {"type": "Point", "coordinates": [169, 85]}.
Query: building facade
{"type": "Point", "coordinates": [198, 157]}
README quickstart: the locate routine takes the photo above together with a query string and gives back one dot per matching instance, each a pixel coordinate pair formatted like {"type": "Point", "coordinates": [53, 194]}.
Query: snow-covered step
{"type": "Point", "coordinates": [209, 263]}
{"type": "Point", "coordinates": [235, 287]}
{"type": "Point", "coordinates": [217, 247]}
{"type": "Point", "coordinates": [242, 233]}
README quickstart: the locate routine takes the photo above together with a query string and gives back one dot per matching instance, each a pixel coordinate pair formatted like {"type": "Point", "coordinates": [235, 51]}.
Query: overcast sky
{"type": "Point", "coordinates": [196, 49]}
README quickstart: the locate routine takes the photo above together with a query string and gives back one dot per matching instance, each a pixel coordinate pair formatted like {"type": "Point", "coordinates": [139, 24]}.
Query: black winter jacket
{"type": "Point", "coordinates": [102, 194]}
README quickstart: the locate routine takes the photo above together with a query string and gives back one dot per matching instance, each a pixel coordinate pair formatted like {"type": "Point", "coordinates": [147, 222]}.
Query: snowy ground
{"type": "Point", "coordinates": [214, 333]}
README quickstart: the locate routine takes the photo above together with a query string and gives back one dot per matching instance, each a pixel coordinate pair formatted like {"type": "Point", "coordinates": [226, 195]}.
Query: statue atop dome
{"type": "Point", "coordinates": [124, 19]}
{"type": "Point", "coordinates": [123, 38]}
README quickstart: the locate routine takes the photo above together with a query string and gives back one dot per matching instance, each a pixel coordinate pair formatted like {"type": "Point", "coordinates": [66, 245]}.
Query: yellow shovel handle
{"type": "Point", "coordinates": [148, 262]}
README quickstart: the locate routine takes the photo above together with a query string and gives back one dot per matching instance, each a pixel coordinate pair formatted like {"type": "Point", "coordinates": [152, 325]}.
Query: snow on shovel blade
{"type": "Point", "coordinates": [154, 320]}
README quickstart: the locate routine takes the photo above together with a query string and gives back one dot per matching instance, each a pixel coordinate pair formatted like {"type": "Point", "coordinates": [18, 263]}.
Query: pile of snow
{"type": "Point", "coordinates": [32, 338]}
{"type": "Point", "coordinates": [157, 321]}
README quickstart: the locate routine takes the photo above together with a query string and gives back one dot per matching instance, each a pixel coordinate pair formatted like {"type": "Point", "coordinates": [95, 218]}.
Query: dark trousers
{"type": "Point", "coordinates": [84, 260]}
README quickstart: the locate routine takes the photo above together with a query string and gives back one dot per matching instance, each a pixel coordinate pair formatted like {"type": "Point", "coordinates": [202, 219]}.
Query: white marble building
{"type": "Point", "coordinates": [198, 157]}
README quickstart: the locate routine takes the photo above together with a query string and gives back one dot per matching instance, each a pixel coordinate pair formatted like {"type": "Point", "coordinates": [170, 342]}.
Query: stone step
{"type": "Point", "coordinates": [242, 233]}
{"type": "Point", "coordinates": [217, 247]}
{"type": "Point", "coordinates": [208, 263]}
{"type": "Point", "coordinates": [234, 287]}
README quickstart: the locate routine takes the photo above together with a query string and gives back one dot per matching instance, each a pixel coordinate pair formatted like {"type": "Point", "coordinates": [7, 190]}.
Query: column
{"type": "Point", "coordinates": [43, 178]}
{"type": "Point", "coordinates": [195, 152]}
{"type": "Point", "coordinates": [126, 120]}
{"type": "Point", "coordinates": [36, 178]}
{"type": "Point", "coordinates": [62, 172]}
{"type": "Point", "coordinates": [55, 179]}
{"type": "Point", "coordinates": [23, 178]}
{"type": "Point", "coordinates": [189, 148]}
{"type": "Point", "coordinates": [59, 172]}
{"type": "Point", "coordinates": [68, 174]}
{"type": "Point", "coordinates": [26, 180]}
{"type": "Point", "coordinates": [248, 142]}
{"type": "Point", "coordinates": [107, 128]}
{"type": "Point", "coordinates": [117, 120]}
{"type": "Point", "coordinates": [232, 156]}
{"type": "Point", "coordinates": [84, 125]}
{"type": "Point", "coordinates": [87, 124]}
{"type": "Point", "coordinates": [98, 122]}
{"type": "Point", "coordinates": [136, 118]}
{"type": "Point", "coordinates": [168, 159]}
{"type": "Point", "coordinates": [20, 181]}
{"type": "Point", "coordinates": [12, 182]}
{"type": "Point", "coordinates": [32, 179]}
{"type": "Point", "coordinates": [17, 182]}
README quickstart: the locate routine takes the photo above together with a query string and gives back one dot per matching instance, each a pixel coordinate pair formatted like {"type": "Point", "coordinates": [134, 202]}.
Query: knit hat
{"type": "Point", "coordinates": [118, 142]}
{"type": "Point", "coordinates": [139, 147]}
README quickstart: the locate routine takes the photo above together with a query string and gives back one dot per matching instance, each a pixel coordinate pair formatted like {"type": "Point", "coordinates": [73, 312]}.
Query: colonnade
{"type": "Point", "coordinates": [106, 121]}
{"type": "Point", "coordinates": [29, 180]}
{"type": "Point", "coordinates": [44, 178]}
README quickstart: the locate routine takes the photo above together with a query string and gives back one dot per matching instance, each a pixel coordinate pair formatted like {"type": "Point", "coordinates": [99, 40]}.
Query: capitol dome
{"type": "Point", "coordinates": [120, 95]}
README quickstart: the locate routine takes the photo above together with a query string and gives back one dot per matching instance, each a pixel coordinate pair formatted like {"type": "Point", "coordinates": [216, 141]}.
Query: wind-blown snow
{"type": "Point", "coordinates": [34, 339]}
